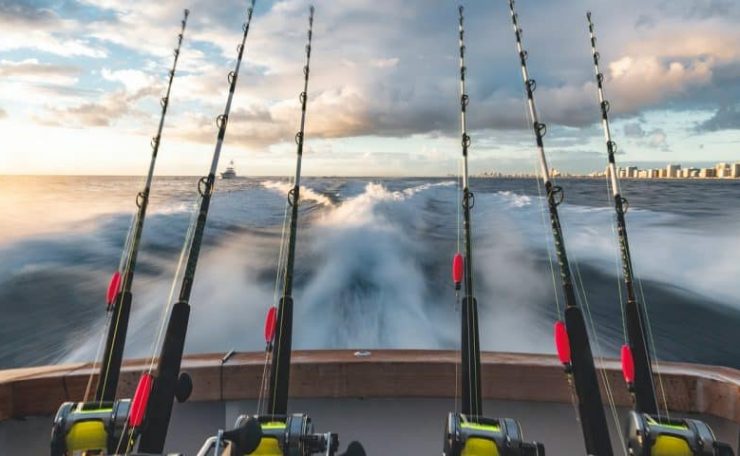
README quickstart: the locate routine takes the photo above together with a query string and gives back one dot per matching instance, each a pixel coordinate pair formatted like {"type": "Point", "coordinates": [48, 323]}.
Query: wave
{"type": "Point", "coordinates": [307, 194]}
{"type": "Point", "coordinates": [372, 271]}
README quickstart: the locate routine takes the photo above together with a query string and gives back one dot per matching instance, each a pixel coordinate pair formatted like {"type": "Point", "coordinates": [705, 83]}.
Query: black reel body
{"type": "Point", "coordinates": [89, 426]}
{"type": "Point", "coordinates": [480, 436]}
{"type": "Point", "coordinates": [651, 435]}
{"type": "Point", "coordinates": [290, 436]}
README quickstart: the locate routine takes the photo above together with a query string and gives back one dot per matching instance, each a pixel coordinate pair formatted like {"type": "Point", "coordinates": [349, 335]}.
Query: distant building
{"type": "Point", "coordinates": [632, 171]}
{"type": "Point", "coordinates": [708, 172]}
{"type": "Point", "coordinates": [723, 170]}
{"type": "Point", "coordinates": [673, 170]}
{"type": "Point", "coordinates": [693, 172]}
{"type": "Point", "coordinates": [735, 170]}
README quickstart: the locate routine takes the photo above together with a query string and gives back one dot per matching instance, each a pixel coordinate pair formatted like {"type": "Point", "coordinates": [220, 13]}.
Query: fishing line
{"type": "Point", "coordinates": [184, 251]}
{"type": "Point", "coordinates": [119, 290]}
{"type": "Point", "coordinates": [550, 249]}
{"type": "Point", "coordinates": [599, 355]}
{"type": "Point", "coordinates": [281, 349]}
{"type": "Point", "coordinates": [576, 357]}
{"type": "Point", "coordinates": [456, 308]}
{"type": "Point", "coordinates": [655, 360]}
{"type": "Point", "coordinates": [634, 314]}
{"type": "Point", "coordinates": [103, 376]}
{"type": "Point", "coordinates": [618, 272]}
{"type": "Point", "coordinates": [470, 343]}
{"type": "Point", "coordinates": [98, 351]}
{"type": "Point", "coordinates": [583, 298]}
{"type": "Point", "coordinates": [160, 388]}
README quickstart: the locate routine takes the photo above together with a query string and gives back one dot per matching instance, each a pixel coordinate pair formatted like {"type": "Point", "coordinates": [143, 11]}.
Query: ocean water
{"type": "Point", "coordinates": [373, 264]}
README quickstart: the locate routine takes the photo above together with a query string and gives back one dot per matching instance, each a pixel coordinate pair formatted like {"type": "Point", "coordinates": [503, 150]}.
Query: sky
{"type": "Point", "coordinates": [80, 83]}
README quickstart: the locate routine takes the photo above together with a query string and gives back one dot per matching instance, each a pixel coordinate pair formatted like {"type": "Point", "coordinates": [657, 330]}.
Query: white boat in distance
{"type": "Point", "coordinates": [230, 172]}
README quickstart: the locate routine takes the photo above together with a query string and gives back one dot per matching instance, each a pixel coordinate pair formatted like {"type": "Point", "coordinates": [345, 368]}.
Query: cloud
{"type": "Point", "coordinates": [31, 70]}
{"type": "Point", "coordinates": [699, 9]}
{"type": "Point", "coordinates": [133, 80]}
{"type": "Point", "coordinates": [373, 74]}
{"type": "Point", "coordinates": [725, 118]}
{"type": "Point", "coordinates": [93, 114]}
{"type": "Point", "coordinates": [3, 113]}
{"type": "Point", "coordinates": [645, 22]}
{"type": "Point", "coordinates": [27, 27]}
{"type": "Point", "coordinates": [646, 81]}
{"type": "Point", "coordinates": [385, 63]}
{"type": "Point", "coordinates": [655, 138]}
{"type": "Point", "coordinates": [101, 113]}
{"type": "Point", "coordinates": [634, 130]}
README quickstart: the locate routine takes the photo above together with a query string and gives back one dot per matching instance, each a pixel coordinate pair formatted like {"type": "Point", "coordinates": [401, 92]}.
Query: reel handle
{"type": "Point", "coordinates": [354, 449]}
{"type": "Point", "coordinates": [246, 438]}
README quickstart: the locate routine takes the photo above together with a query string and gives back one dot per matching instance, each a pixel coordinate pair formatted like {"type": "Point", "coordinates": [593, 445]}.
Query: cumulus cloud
{"type": "Point", "coordinates": [378, 74]}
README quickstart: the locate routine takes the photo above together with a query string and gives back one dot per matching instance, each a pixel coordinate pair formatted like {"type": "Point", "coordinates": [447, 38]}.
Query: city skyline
{"type": "Point", "coordinates": [721, 170]}
{"type": "Point", "coordinates": [81, 82]}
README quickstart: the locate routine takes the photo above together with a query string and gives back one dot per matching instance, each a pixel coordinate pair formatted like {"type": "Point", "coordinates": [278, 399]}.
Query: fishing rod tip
{"type": "Point", "coordinates": [588, 15]}
{"type": "Point", "coordinates": [461, 9]}
{"type": "Point", "coordinates": [187, 12]}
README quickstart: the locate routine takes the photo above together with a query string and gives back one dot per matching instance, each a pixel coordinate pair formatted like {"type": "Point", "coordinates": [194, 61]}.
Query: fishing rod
{"type": "Point", "coordinates": [147, 415]}
{"type": "Point", "coordinates": [119, 297]}
{"type": "Point", "coordinates": [119, 294]}
{"type": "Point", "coordinates": [470, 340]}
{"type": "Point", "coordinates": [167, 382]}
{"type": "Point", "coordinates": [571, 337]}
{"type": "Point", "coordinates": [469, 430]}
{"type": "Point", "coordinates": [645, 421]}
{"type": "Point", "coordinates": [642, 387]}
{"type": "Point", "coordinates": [276, 432]}
{"type": "Point", "coordinates": [277, 396]}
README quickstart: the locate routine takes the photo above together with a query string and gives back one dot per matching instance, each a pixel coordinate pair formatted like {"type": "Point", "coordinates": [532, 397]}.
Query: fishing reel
{"type": "Point", "coordinates": [291, 436]}
{"type": "Point", "coordinates": [276, 435]}
{"type": "Point", "coordinates": [89, 426]}
{"type": "Point", "coordinates": [480, 436]}
{"type": "Point", "coordinates": [650, 435]}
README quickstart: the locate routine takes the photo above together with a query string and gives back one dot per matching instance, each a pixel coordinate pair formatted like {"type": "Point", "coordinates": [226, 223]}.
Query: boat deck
{"type": "Point", "coordinates": [394, 401]}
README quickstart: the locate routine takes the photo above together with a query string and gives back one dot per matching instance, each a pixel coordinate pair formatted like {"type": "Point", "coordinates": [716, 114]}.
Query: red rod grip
{"type": "Point", "coordinates": [113, 287]}
{"type": "Point", "coordinates": [140, 400]}
{"type": "Point", "coordinates": [562, 343]}
{"type": "Point", "coordinates": [628, 365]}
{"type": "Point", "coordinates": [457, 270]}
{"type": "Point", "coordinates": [270, 322]}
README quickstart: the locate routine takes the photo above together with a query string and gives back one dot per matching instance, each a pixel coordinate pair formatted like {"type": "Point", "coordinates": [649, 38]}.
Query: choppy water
{"type": "Point", "coordinates": [373, 264]}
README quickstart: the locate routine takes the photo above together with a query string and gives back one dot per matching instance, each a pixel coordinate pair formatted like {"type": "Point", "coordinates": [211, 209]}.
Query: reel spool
{"type": "Point", "coordinates": [482, 436]}
{"type": "Point", "coordinates": [290, 436]}
{"type": "Point", "coordinates": [659, 436]}
{"type": "Point", "coordinates": [89, 426]}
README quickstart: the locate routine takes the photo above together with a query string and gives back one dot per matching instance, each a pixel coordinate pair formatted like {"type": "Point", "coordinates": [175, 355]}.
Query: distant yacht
{"type": "Point", "coordinates": [230, 173]}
